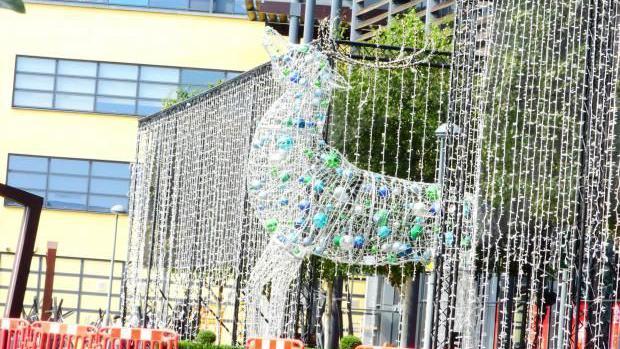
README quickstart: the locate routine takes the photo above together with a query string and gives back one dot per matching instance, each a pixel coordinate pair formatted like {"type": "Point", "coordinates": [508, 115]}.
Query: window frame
{"type": "Point", "coordinates": [88, 208]}
{"type": "Point", "coordinates": [97, 79]}
{"type": "Point", "coordinates": [188, 8]}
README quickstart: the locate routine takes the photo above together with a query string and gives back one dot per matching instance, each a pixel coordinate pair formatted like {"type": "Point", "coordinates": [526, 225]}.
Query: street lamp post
{"type": "Point", "coordinates": [116, 210]}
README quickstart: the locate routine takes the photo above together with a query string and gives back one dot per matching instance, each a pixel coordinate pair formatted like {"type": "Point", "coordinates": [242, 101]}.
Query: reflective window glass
{"type": "Point", "coordinates": [36, 65]}
{"type": "Point", "coordinates": [103, 203]}
{"type": "Point", "coordinates": [117, 88]}
{"type": "Point", "coordinates": [71, 201]}
{"type": "Point", "coordinates": [27, 163]}
{"type": "Point", "coordinates": [109, 186]}
{"type": "Point", "coordinates": [69, 166]}
{"type": "Point", "coordinates": [147, 107]}
{"type": "Point", "coordinates": [159, 74]}
{"type": "Point", "coordinates": [178, 4]}
{"type": "Point", "coordinates": [77, 85]}
{"type": "Point", "coordinates": [200, 5]}
{"type": "Point", "coordinates": [118, 71]}
{"type": "Point", "coordinates": [115, 105]}
{"type": "Point", "coordinates": [110, 169]}
{"type": "Point", "coordinates": [74, 102]}
{"type": "Point", "coordinates": [34, 82]}
{"type": "Point", "coordinates": [68, 183]}
{"type": "Point", "coordinates": [77, 68]}
{"type": "Point", "coordinates": [25, 180]}
{"type": "Point", "coordinates": [33, 99]}
{"type": "Point", "coordinates": [74, 184]}
{"type": "Point", "coordinates": [130, 2]}
{"type": "Point", "coordinates": [158, 91]}
{"type": "Point", "coordinates": [224, 6]}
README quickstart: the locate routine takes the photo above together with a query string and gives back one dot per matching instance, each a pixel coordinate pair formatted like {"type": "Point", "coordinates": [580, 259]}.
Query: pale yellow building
{"type": "Point", "coordinates": [76, 76]}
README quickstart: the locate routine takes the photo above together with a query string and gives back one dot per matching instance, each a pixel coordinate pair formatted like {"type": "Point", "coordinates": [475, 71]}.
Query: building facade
{"type": "Point", "coordinates": [76, 76]}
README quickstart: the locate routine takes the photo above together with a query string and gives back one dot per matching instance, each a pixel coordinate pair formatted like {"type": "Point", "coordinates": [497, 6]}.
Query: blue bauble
{"type": "Point", "coordinates": [358, 242]}
{"type": "Point", "coordinates": [435, 207]}
{"type": "Point", "coordinates": [405, 250]}
{"type": "Point", "coordinates": [320, 220]}
{"type": "Point", "coordinates": [299, 222]}
{"type": "Point", "coordinates": [384, 231]}
{"type": "Point", "coordinates": [384, 191]}
{"type": "Point", "coordinates": [310, 124]}
{"type": "Point", "coordinates": [304, 205]}
{"type": "Point", "coordinates": [301, 123]}
{"type": "Point", "coordinates": [295, 77]}
{"type": "Point", "coordinates": [318, 186]}
{"type": "Point", "coordinates": [307, 241]}
{"type": "Point", "coordinates": [301, 180]}
{"type": "Point", "coordinates": [285, 143]}
{"type": "Point", "coordinates": [283, 202]}
{"type": "Point", "coordinates": [449, 238]}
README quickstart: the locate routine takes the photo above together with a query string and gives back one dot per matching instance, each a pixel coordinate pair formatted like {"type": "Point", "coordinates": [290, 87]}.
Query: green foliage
{"type": "Point", "coordinates": [15, 5]}
{"type": "Point", "coordinates": [185, 93]}
{"type": "Point", "coordinates": [197, 345]}
{"type": "Point", "coordinates": [206, 337]}
{"type": "Point", "coordinates": [384, 103]}
{"type": "Point", "coordinates": [349, 342]}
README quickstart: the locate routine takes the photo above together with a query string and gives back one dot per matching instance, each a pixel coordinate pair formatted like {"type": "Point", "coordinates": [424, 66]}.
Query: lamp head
{"type": "Point", "coordinates": [118, 209]}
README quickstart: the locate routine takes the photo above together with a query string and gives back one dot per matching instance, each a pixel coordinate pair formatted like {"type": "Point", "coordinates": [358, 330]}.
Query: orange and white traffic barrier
{"type": "Point", "coordinates": [13, 333]}
{"type": "Point", "coordinates": [137, 338]}
{"type": "Point", "coordinates": [274, 343]}
{"type": "Point", "coordinates": [55, 335]}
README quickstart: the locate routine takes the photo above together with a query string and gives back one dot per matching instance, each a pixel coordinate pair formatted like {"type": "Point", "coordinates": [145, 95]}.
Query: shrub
{"type": "Point", "coordinates": [205, 337]}
{"type": "Point", "coordinates": [185, 345]}
{"type": "Point", "coordinates": [349, 342]}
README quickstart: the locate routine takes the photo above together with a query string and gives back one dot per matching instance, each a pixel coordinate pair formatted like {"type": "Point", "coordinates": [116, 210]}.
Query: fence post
{"type": "Point", "coordinates": [50, 262]}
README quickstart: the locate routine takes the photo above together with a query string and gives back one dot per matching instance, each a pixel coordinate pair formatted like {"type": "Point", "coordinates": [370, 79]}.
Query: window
{"type": "Point", "coordinates": [236, 7]}
{"type": "Point", "coordinates": [71, 184]}
{"type": "Point", "coordinates": [104, 87]}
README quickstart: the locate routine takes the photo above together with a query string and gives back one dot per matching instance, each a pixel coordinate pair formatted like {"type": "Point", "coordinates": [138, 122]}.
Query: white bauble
{"type": "Point", "coordinates": [346, 242]}
{"type": "Point", "coordinates": [340, 194]}
{"type": "Point", "coordinates": [419, 208]}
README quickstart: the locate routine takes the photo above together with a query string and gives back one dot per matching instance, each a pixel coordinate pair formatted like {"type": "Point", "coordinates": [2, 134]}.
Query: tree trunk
{"type": "Point", "coordinates": [409, 312]}
{"type": "Point", "coordinates": [336, 323]}
{"type": "Point", "coordinates": [327, 316]}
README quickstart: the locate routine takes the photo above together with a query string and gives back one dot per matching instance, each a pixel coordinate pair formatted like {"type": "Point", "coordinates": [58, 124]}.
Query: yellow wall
{"type": "Point", "coordinates": [100, 34]}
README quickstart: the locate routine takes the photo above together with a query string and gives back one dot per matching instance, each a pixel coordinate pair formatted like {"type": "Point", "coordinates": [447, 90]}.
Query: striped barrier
{"type": "Point", "coordinates": [137, 338]}
{"type": "Point", "coordinates": [274, 343]}
{"type": "Point", "coordinates": [378, 347]}
{"type": "Point", "coordinates": [55, 335]}
{"type": "Point", "coordinates": [13, 333]}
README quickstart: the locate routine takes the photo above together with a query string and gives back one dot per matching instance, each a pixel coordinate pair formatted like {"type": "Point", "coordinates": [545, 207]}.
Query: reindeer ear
{"type": "Point", "coordinates": [275, 44]}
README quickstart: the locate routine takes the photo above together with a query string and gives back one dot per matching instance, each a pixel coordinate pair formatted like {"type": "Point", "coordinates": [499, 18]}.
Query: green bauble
{"type": "Point", "coordinates": [337, 240]}
{"type": "Point", "coordinates": [271, 225]}
{"type": "Point", "coordinates": [286, 71]}
{"type": "Point", "coordinates": [432, 193]}
{"type": "Point", "coordinates": [416, 231]}
{"type": "Point", "coordinates": [466, 241]}
{"type": "Point", "coordinates": [391, 258]}
{"type": "Point", "coordinates": [332, 160]}
{"type": "Point", "coordinates": [374, 249]}
{"type": "Point", "coordinates": [288, 122]}
{"type": "Point", "coordinates": [285, 176]}
{"type": "Point", "coordinates": [309, 153]}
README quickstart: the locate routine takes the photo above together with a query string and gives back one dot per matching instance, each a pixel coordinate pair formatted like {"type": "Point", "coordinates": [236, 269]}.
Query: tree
{"type": "Point", "coordinates": [15, 5]}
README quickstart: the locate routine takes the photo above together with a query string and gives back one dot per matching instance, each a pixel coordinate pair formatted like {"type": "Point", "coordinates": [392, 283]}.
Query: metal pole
{"type": "Point", "coordinates": [50, 263]}
{"type": "Point", "coordinates": [111, 277]}
{"type": "Point", "coordinates": [293, 27]}
{"type": "Point", "coordinates": [562, 309]}
{"type": "Point", "coordinates": [334, 17]}
{"type": "Point", "coordinates": [309, 21]}
{"type": "Point", "coordinates": [442, 133]}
